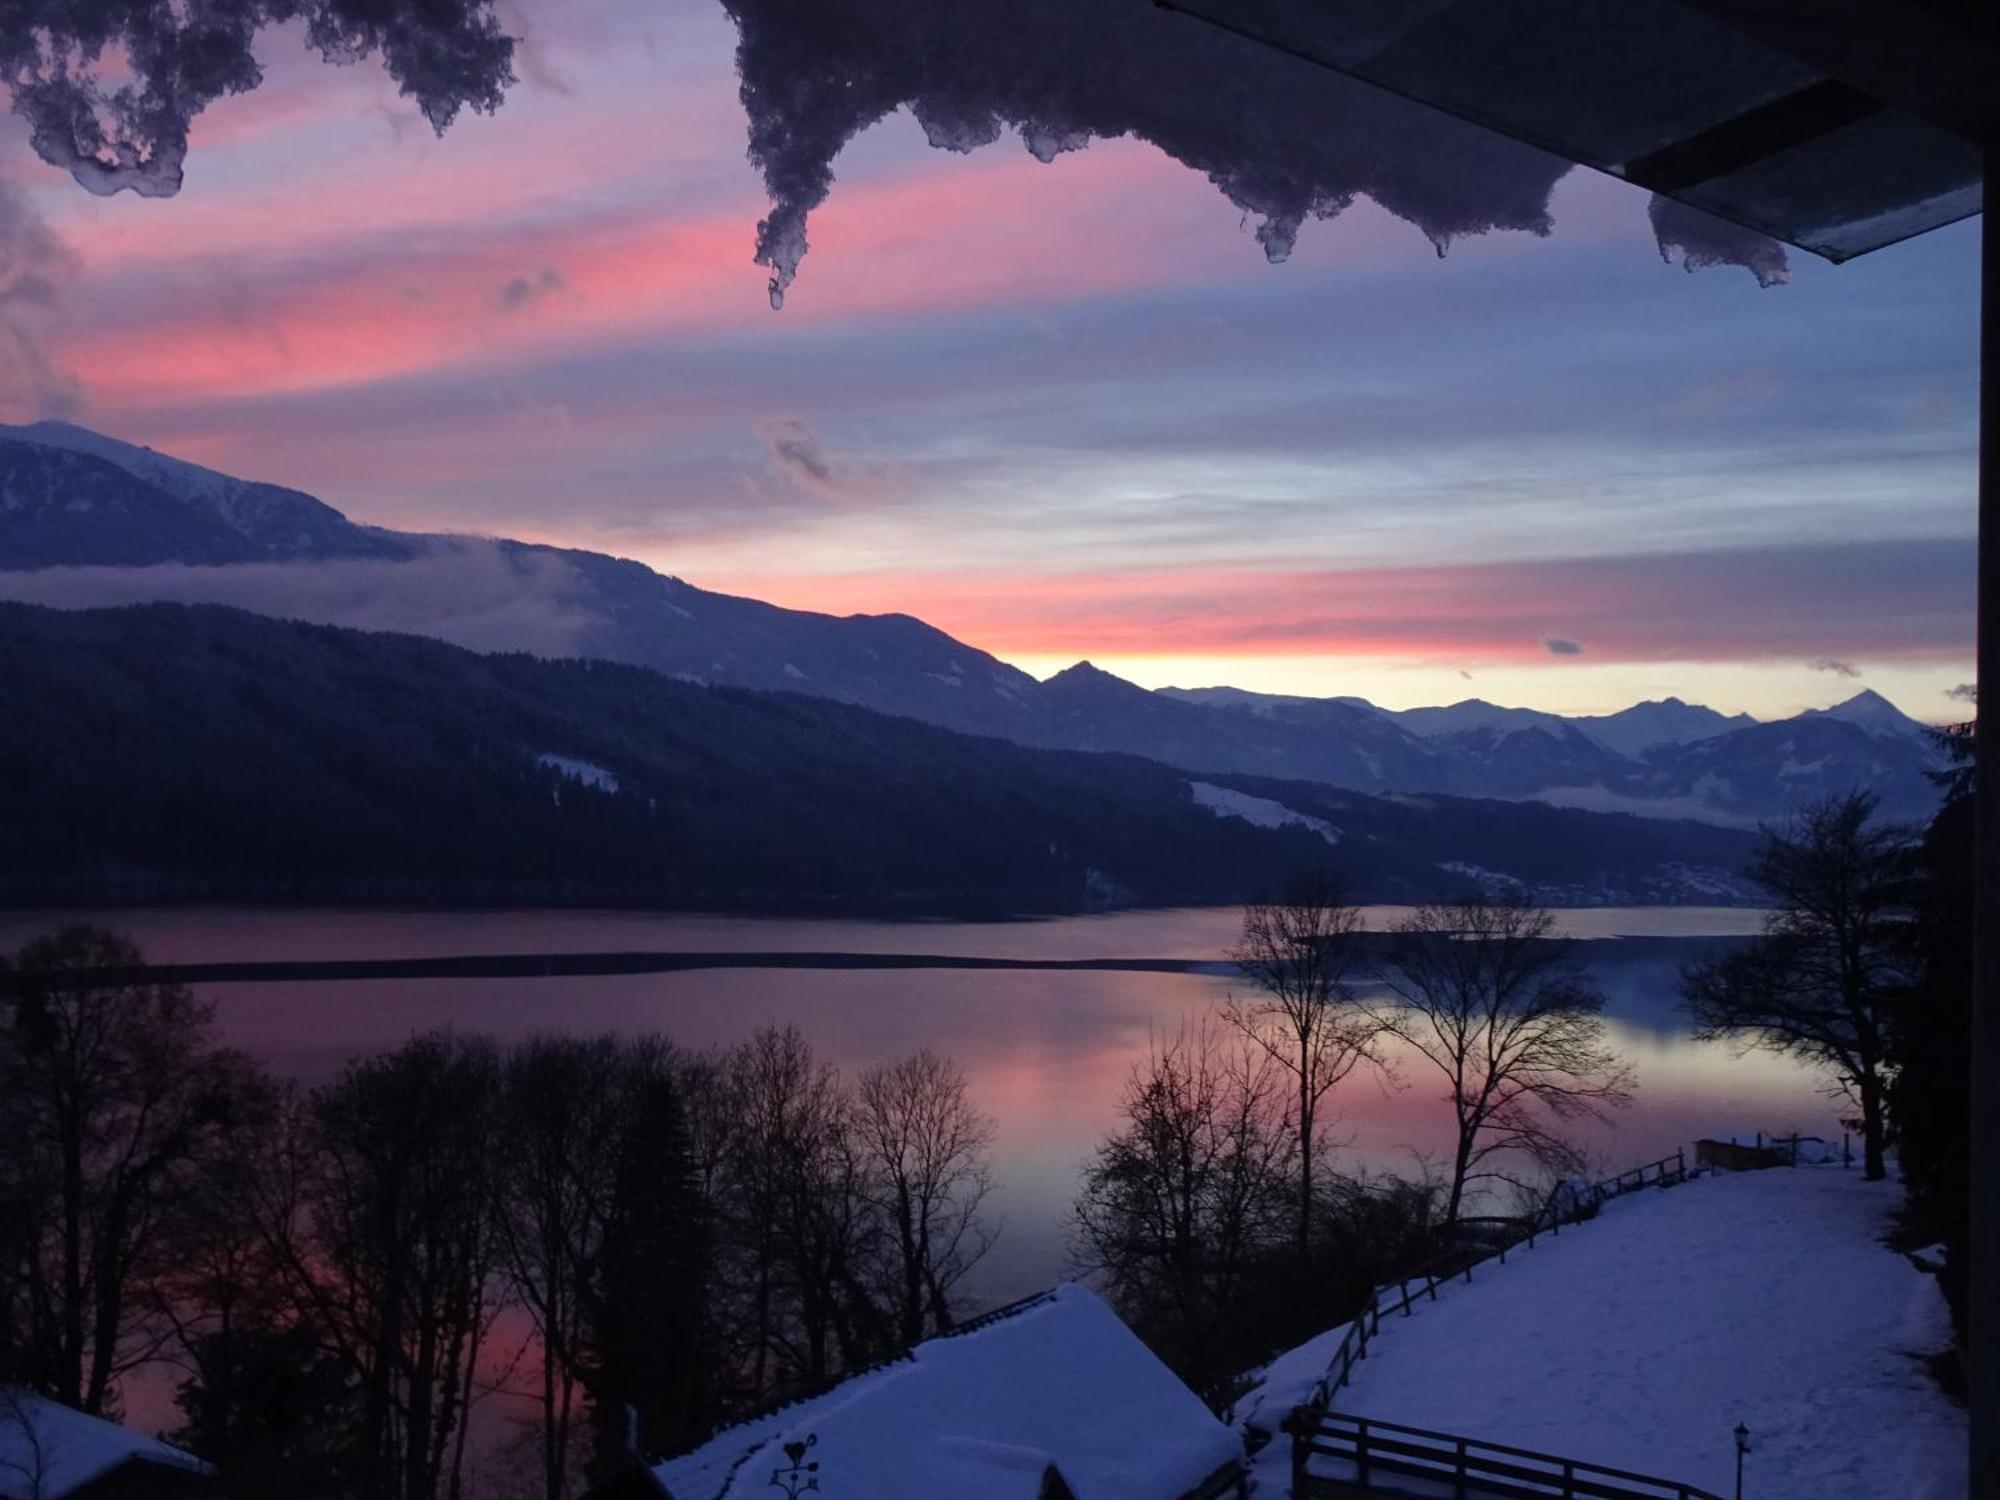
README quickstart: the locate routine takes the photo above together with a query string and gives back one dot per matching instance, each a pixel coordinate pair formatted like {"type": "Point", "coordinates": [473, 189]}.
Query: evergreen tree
{"type": "Point", "coordinates": [274, 1412]}
{"type": "Point", "coordinates": [1930, 1096]}
{"type": "Point", "coordinates": [651, 1376]}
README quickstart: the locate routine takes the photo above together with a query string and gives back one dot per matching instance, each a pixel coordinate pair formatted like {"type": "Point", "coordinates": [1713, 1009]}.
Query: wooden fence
{"type": "Point", "coordinates": [1377, 1456]}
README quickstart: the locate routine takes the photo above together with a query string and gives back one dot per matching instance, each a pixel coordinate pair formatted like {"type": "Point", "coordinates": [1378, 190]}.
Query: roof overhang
{"type": "Point", "coordinates": [1837, 126]}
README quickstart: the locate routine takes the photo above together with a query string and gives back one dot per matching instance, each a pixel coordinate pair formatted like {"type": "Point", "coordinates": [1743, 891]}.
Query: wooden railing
{"type": "Point", "coordinates": [1382, 1453]}
{"type": "Point", "coordinates": [1496, 1237]}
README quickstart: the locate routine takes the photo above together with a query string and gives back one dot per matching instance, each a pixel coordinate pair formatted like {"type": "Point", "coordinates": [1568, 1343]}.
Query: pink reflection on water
{"type": "Point", "coordinates": [1048, 1054]}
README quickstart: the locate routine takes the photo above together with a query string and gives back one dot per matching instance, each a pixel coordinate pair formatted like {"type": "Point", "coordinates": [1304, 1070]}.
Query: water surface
{"type": "Point", "coordinates": [1047, 1052]}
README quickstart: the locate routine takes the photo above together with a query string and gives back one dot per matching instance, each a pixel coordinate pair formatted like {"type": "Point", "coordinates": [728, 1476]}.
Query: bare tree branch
{"type": "Point", "coordinates": [1483, 993]}
{"type": "Point", "coordinates": [925, 1144]}
{"type": "Point", "coordinates": [1300, 951]}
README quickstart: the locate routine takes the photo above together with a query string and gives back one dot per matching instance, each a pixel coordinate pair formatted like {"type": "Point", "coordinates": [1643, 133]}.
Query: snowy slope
{"type": "Point", "coordinates": [1641, 1339]}
{"type": "Point", "coordinates": [1227, 802]}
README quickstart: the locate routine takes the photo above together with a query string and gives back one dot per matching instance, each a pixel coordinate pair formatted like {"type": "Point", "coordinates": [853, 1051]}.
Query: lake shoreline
{"type": "Point", "coordinates": [574, 964]}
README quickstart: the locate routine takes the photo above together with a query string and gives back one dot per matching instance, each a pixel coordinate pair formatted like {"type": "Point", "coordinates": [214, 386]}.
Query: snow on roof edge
{"type": "Point", "coordinates": [921, 1422]}
{"type": "Point", "coordinates": [888, 1362]}
{"type": "Point", "coordinates": [76, 1447]}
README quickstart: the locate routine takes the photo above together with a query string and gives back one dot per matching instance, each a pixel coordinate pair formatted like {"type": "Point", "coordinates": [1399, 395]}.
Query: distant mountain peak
{"type": "Point", "coordinates": [1087, 671]}
{"type": "Point", "coordinates": [1088, 680]}
{"type": "Point", "coordinates": [1869, 710]}
{"type": "Point", "coordinates": [72, 498]}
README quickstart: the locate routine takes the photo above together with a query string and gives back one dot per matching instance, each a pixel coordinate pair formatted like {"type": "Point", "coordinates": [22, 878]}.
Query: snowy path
{"type": "Point", "coordinates": [1640, 1340]}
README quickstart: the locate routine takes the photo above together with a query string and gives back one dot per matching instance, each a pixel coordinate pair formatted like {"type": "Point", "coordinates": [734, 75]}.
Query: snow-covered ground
{"type": "Point", "coordinates": [1640, 1339]}
{"type": "Point", "coordinates": [1226, 802]}
{"type": "Point", "coordinates": [581, 770]}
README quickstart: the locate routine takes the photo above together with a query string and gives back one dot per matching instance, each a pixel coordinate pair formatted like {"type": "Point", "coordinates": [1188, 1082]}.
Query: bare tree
{"type": "Point", "coordinates": [1301, 952]}
{"type": "Point", "coordinates": [925, 1143]}
{"type": "Point", "coordinates": [803, 1219]}
{"type": "Point", "coordinates": [1482, 992]}
{"type": "Point", "coordinates": [1824, 980]}
{"type": "Point", "coordinates": [563, 1117]}
{"type": "Point", "coordinates": [378, 1209]}
{"type": "Point", "coordinates": [714, 1117]}
{"type": "Point", "coordinates": [1180, 1208]}
{"type": "Point", "coordinates": [261, 1398]}
{"type": "Point", "coordinates": [113, 1096]}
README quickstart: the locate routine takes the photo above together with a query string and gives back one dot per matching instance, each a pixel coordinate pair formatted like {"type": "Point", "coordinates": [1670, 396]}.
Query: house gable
{"type": "Point", "coordinates": [1051, 1399]}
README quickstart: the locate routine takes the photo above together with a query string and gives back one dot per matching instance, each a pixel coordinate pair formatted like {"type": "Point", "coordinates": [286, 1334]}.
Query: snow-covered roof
{"type": "Point", "coordinates": [1791, 120]}
{"type": "Point", "coordinates": [48, 1450]}
{"type": "Point", "coordinates": [982, 1414]}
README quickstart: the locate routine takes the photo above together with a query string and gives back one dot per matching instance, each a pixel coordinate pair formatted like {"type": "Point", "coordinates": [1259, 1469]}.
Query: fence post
{"type": "Point", "coordinates": [1361, 1450]}
{"type": "Point", "coordinates": [1460, 1492]}
{"type": "Point", "coordinates": [1569, 1480]}
{"type": "Point", "coordinates": [1406, 1299]}
{"type": "Point", "coordinates": [1299, 1442]}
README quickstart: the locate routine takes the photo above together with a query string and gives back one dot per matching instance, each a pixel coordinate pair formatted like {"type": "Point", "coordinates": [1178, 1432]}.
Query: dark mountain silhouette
{"type": "Point", "coordinates": [70, 497]}
{"type": "Point", "coordinates": [171, 751]}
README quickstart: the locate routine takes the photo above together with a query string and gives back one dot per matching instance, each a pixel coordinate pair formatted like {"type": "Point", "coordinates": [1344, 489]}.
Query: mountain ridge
{"type": "Point", "coordinates": [215, 754]}
{"type": "Point", "coordinates": [1648, 758]}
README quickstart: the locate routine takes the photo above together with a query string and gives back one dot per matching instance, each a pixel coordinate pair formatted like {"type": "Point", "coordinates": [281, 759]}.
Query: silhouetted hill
{"type": "Point", "coordinates": [169, 751]}
{"type": "Point", "coordinates": [74, 498]}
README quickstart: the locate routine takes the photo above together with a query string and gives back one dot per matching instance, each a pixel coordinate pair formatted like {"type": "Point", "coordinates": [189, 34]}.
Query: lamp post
{"type": "Point", "coordinates": [1742, 1447]}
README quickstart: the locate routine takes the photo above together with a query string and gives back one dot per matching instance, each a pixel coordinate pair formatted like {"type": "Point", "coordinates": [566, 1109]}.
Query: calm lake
{"type": "Point", "coordinates": [1048, 1052]}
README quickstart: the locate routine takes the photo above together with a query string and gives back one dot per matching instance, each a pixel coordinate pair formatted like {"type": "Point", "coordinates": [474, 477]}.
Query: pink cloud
{"type": "Point", "coordinates": [299, 301]}
{"type": "Point", "coordinates": [1909, 601]}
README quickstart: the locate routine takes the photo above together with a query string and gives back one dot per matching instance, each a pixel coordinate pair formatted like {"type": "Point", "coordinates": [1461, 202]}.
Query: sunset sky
{"type": "Point", "coordinates": [1060, 411]}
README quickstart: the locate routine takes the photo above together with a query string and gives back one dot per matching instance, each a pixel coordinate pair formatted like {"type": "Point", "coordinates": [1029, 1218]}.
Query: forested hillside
{"type": "Point", "coordinates": [87, 520]}
{"type": "Point", "coordinates": [169, 751]}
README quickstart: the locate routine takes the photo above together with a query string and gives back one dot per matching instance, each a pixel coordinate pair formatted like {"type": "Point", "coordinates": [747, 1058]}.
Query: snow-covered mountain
{"type": "Point", "coordinates": [1664, 758]}
{"type": "Point", "coordinates": [1473, 715]}
{"type": "Point", "coordinates": [216, 518]}
{"type": "Point", "coordinates": [1659, 721]}
{"type": "Point", "coordinates": [60, 508]}
{"type": "Point", "coordinates": [1520, 760]}
{"type": "Point", "coordinates": [1751, 773]}
{"type": "Point", "coordinates": [71, 498]}
{"type": "Point", "coordinates": [1629, 732]}
{"type": "Point", "coordinates": [1869, 710]}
